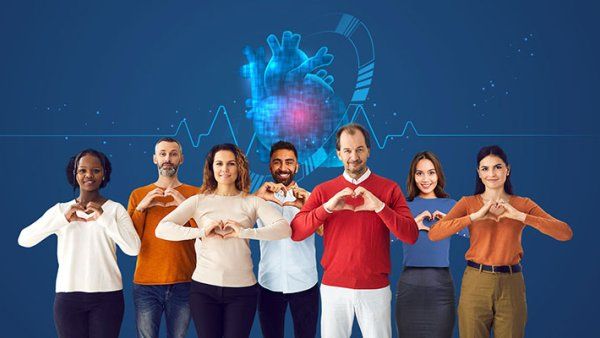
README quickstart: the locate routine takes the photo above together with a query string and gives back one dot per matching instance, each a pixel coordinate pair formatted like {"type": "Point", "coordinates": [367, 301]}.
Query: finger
{"type": "Point", "coordinates": [329, 79]}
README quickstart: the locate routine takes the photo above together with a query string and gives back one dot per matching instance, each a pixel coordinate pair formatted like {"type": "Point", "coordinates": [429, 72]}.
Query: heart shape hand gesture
{"type": "Point", "coordinates": [496, 211]}
{"type": "Point", "coordinates": [301, 196]}
{"type": "Point", "coordinates": [359, 199]}
{"type": "Point", "coordinates": [88, 213]}
{"type": "Point", "coordinates": [150, 200]}
{"type": "Point", "coordinates": [223, 229]}
{"type": "Point", "coordinates": [268, 190]}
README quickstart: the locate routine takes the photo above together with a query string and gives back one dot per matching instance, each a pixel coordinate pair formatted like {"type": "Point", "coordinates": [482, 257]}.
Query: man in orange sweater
{"type": "Point", "coordinates": [164, 269]}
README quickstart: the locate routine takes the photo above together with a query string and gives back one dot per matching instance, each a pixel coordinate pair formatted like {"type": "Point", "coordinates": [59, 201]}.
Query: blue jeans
{"type": "Point", "coordinates": [150, 302]}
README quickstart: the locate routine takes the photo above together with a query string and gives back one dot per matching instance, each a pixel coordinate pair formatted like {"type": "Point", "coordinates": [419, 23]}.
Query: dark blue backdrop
{"type": "Point", "coordinates": [464, 72]}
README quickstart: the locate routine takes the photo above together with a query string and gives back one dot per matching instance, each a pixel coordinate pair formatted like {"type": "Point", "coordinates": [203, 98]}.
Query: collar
{"type": "Point", "coordinates": [360, 179]}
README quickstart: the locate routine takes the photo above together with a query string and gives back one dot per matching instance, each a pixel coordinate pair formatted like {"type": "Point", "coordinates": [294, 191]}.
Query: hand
{"type": "Point", "coordinates": [211, 229]}
{"type": "Point", "coordinates": [371, 202]}
{"type": "Point", "coordinates": [511, 212]}
{"type": "Point", "coordinates": [178, 198]}
{"type": "Point", "coordinates": [482, 213]}
{"type": "Point", "coordinates": [320, 230]}
{"type": "Point", "coordinates": [235, 226]}
{"type": "Point", "coordinates": [71, 213]}
{"type": "Point", "coordinates": [421, 217]}
{"type": "Point", "coordinates": [268, 190]}
{"type": "Point", "coordinates": [301, 197]}
{"type": "Point", "coordinates": [95, 209]}
{"type": "Point", "coordinates": [338, 202]}
{"type": "Point", "coordinates": [438, 215]}
{"type": "Point", "coordinates": [148, 200]}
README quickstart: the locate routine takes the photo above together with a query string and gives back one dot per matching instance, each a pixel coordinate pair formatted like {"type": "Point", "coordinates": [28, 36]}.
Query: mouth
{"type": "Point", "coordinates": [89, 182]}
{"type": "Point", "coordinates": [425, 186]}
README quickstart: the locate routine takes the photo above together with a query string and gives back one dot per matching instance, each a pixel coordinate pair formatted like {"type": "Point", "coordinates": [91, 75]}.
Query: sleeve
{"type": "Point", "coordinates": [455, 220]}
{"type": "Point", "coordinates": [310, 217]}
{"type": "Point", "coordinates": [120, 229]}
{"type": "Point", "coordinates": [464, 232]}
{"type": "Point", "coordinates": [172, 227]}
{"type": "Point", "coordinates": [137, 217]}
{"type": "Point", "coordinates": [274, 225]}
{"type": "Point", "coordinates": [536, 217]}
{"type": "Point", "coordinates": [397, 217]}
{"type": "Point", "coordinates": [52, 221]}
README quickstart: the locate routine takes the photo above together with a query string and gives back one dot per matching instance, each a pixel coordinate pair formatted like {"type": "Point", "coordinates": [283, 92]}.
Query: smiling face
{"type": "Point", "coordinates": [225, 168]}
{"type": "Point", "coordinates": [493, 171]}
{"type": "Point", "coordinates": [283, 166]}
{"type": "Point", "coordinates": [426, 178]}
{"type": "Point", "coordinates": [168, 158]}
{"type": "Point", "coordinates": [353, 153]}
{"type": "Point", "coordinates": [89, 173]}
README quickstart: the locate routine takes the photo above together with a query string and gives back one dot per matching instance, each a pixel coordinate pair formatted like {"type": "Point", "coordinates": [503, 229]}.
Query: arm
{"type": "Point", "coordinates": [137, 217]}
{"type": "Point", "coordinates": [397, 217]}
{"type": "Point", "coordinates": [171, 227]}
{"type": "Point", "coordinates": [545, 223]}
{"type": "Point", "coordinates": [310, 217]}
{"type": "Point", "coordinates": [274, 225]}
{"type": "Point", "coordinates": [52, 221]}
{"type": "Point", "coordinates": [120, 229]}
{"type": "Point", "coordinates": [455, 220]}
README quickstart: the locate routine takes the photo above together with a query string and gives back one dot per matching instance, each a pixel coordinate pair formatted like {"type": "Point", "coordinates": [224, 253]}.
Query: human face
{"type": "Point", "coordinates": [225, 168]}
{"type": "Point", "coordinates": [89, 173]}
{"type": "Point", "coordinates": [493, 172]}
{"type": "Point", "coordinates": [353, 153]}
{"type": "Point", "coordinates": [283, 166]}
{"type": "Point", "coordinates": [168, 158]}
{"type": "Point", "coordinates": [426, 178]}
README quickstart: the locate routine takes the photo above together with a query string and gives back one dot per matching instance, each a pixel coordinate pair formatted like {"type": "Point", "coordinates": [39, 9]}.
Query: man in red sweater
{"type": "Point", "coordinates": [358, 210]}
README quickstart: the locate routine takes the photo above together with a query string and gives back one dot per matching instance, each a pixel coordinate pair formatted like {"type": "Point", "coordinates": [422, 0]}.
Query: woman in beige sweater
{"type": "Point", "coordinates": [224, 291]}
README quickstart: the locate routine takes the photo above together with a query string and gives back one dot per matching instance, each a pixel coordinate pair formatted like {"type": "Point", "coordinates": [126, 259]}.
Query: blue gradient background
{"type": "Point", "coordinates": [73, 67]}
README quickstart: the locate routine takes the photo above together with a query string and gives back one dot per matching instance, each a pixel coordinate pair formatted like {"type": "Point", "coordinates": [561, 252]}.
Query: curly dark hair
{"type": "Point", "coordinates": [71, 170]}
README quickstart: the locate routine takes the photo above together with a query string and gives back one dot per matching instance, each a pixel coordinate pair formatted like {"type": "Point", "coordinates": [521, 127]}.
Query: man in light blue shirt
{"type": "Point", "coordinates": [287, 272]}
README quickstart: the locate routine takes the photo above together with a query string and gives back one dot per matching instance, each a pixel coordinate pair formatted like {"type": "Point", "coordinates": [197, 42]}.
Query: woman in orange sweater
{"type": "Point", "coordinates": [493, 289]}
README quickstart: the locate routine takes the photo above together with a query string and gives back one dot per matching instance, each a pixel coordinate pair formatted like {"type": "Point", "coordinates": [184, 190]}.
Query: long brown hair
{"type": "Point", "coordinates": [411, 184]}
{"type": "Point", "coordinates": [242, 182]}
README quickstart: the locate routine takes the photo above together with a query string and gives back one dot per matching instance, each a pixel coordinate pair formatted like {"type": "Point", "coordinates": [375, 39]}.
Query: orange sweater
{"type": "Point", "coordinates": [497, 243]}
{"type": "Point", "coordinates": [159, 261]}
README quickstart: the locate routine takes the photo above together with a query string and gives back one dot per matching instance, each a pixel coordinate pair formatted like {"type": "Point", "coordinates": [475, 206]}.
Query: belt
{"type": "Point", "coordinates": [496, 268]}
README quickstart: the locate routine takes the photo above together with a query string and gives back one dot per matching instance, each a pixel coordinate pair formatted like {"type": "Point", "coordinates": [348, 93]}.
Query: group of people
{"type": "Point", "coordinates": [194, 257]}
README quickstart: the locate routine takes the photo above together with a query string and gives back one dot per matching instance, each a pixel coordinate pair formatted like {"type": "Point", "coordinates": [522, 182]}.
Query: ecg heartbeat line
{"type": "Point", "coordinates": [359, 112]}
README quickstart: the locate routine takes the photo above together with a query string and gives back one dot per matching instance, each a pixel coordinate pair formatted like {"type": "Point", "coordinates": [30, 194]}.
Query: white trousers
{"type": "Point", "coordinates": [371, 306]}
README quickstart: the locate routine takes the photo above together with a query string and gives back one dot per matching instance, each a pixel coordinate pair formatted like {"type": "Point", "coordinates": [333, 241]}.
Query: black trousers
{"type": "Point", "coordinates": [425, 305]}
{"type": "Point", "coordinates": [304, 307]}
{"type": "Point", "coordinates": [223, 312]}
{"type": "Point", "coordinates": [88, 314]}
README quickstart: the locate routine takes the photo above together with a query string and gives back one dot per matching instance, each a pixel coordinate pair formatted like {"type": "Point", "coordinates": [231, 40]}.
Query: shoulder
{"type": "Point", "coordinates": [113, 205]}
{"type": "Point", "coordinates": [188, 190]}
{"type": "Point", "coordinates": [330, 185]}
{"type": "Point", "coordinates": [520, 201]}
{"type": "Point", "coordinates": [143, 190]}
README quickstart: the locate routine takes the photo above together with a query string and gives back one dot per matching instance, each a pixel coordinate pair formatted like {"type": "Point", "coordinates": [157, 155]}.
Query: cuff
{"type": "Point", "coordinates": [322, 214]}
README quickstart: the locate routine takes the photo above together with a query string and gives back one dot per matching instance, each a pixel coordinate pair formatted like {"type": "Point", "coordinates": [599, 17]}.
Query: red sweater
{"type": "Point", "coordinates": [356, 251]}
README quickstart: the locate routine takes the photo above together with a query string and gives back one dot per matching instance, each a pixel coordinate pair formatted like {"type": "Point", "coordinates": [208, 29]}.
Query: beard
{"type": "Point", "coordinates": [167, 171]}
{"type": "Point", "coordinates": [358, 167]}
{"type": "Point", "coordinates": [284, 181]}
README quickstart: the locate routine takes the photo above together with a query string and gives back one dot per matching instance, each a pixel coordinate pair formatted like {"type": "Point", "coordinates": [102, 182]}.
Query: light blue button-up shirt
{"type": "Point", "coordinates": [285, 265]}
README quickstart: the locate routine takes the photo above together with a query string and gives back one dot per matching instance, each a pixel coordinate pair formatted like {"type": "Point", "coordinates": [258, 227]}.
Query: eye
{"type": "Point", "coordinates": [97, 171]}
{"type": "Point", "coordinates": [80, 171]}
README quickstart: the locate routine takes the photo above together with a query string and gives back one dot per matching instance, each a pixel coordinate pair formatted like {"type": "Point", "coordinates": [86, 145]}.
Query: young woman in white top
{"type": "Point", "coordinates": [89, 296]}
{"type": "Point", "coordinates": [224, 291]}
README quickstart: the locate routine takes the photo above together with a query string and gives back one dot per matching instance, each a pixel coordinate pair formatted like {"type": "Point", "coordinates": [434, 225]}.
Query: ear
{"type": "Point", "coordinates": [339, 155]}
{"type": "Point", "coordinates": [297, 168]}
{"type": "Point", "coordinates": [507, 170]}
{"type": "Point", "coordinates": [154, 159]}
{"type": "Point", "coordinates": [182, 158]}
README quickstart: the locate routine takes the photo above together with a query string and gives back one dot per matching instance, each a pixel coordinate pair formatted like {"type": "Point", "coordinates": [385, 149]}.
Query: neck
{"type": "Point", "coordinates": [428, 196]}
{"type": "Point", "coordinates": [226, 190]}
{"type": "Point", "coordinates": [493, 194]}
{"type": "Point", "coordinates": [88, 196]}
{"type": "Point", "coordinates": [167, 182]}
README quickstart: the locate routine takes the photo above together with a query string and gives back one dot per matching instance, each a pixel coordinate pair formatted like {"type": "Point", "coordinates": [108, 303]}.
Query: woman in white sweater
{"type": "Point", "coordinates": [89, 296]}
{"type": "Point", "coordinates": [224, 290]}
